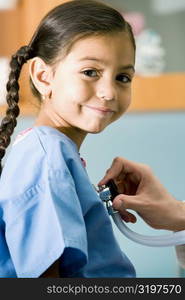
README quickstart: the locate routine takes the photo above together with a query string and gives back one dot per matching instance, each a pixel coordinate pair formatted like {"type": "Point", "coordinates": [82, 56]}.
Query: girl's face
{"type": "Point", "coordinates": [91, 87]}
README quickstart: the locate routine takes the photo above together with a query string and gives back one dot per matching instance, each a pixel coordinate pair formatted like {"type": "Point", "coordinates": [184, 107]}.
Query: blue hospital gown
{"type": "Point", "coordinates": [49, 210]}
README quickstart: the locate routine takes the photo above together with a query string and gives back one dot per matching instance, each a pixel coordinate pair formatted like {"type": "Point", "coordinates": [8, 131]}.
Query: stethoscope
{"type": "Point", "coordinates": [107, 193]}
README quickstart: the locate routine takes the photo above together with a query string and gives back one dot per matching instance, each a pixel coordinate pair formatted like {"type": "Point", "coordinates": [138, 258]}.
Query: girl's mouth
{"type": "Point", "coordinates": [103, 110]}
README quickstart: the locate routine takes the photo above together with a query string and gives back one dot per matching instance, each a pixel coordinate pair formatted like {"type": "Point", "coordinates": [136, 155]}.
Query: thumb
{"type": "Point", "coordinates": [122, 202]}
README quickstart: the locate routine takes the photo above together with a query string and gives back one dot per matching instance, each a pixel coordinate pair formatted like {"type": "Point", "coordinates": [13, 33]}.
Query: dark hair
{"type": "Point", "coordinates": [54, 37]}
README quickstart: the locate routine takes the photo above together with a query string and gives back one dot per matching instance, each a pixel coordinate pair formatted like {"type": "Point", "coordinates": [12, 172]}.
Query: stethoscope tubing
{"type": "Point", "coordinates": [171, 239]}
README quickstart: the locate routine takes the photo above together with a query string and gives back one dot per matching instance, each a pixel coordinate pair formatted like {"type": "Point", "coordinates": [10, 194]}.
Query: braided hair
{"type": "Point", "coordinates": [53, 39]}
{"type": "Point", "coordinates": [9, 122]}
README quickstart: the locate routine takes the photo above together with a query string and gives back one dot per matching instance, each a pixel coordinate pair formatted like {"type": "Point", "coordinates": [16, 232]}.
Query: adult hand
{"type": "Point", "coordinates": [142, 192]}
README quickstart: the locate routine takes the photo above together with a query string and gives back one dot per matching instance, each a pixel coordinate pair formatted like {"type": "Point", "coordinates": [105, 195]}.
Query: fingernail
{"type": "Point", "coordinates": [126, 219]}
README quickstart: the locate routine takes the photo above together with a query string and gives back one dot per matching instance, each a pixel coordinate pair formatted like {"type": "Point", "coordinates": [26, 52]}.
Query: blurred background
{"type": "Point", "coordinates": [153, 129]}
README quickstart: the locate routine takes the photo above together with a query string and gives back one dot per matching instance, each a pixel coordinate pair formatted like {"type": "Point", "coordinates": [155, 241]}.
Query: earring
{"type": "Point", "coordinates": [44, 97]}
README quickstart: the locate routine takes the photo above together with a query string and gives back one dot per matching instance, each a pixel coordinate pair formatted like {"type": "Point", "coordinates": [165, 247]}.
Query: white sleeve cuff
{"type": "Point", "coordinates": [180, 253]}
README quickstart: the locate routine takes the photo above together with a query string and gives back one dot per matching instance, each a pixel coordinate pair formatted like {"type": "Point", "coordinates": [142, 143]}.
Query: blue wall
{"type": "Point", "coordinates": [157, 139]}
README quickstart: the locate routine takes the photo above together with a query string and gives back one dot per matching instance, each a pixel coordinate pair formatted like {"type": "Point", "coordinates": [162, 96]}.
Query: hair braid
{"type": "Point", "coordinates": [9, 121]}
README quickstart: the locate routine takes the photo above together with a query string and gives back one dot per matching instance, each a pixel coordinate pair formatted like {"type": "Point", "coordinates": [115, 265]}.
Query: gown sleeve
{"type": "Point", "coordinates": [44, 222]}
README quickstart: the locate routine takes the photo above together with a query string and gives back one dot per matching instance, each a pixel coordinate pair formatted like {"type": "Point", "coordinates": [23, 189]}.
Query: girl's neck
{"type": "Point", "coordinates": [74, 133]}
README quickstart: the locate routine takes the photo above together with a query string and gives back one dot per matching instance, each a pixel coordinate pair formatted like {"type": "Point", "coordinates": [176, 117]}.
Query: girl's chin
{"type": "Point", "coordinates": [96, 130]}
{"type": "Point", "coordinates": [95, 127]}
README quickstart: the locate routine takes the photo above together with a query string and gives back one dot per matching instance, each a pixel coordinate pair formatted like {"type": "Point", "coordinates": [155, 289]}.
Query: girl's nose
{"type": "Point", "coordinates": [106, 92]}
{"type": "Point", "coordinates": [106, 98]}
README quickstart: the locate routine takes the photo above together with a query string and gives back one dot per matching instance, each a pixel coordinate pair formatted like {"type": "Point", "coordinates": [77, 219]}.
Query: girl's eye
{"type": "Point", "coordinates": [90, 73]}
{"type": "Point", "coordinates": [123, 78]}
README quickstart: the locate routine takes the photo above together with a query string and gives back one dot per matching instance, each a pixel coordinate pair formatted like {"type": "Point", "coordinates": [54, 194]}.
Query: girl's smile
{"type": "Point", "coordinates": [90, 86]}
{"type": "Point", "coordinates": [103, 111]}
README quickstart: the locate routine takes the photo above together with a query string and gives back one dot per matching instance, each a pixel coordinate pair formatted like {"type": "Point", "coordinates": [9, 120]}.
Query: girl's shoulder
{"type": "Point", "coordinates": [48, 138]}
{"type": "Point", "coordinates": [48, 135]}
{"type": "Point", "coordinates": [37, 152]}
{"type": "Point", "coordinates": [22, 135]}
{"type": "Point", "coordinates": [57, 146]}
{"type": "Point", "coordinates": [41, 147]}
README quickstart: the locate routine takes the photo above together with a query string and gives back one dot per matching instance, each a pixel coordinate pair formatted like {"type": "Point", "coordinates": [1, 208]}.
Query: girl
{"type": "Point", "coordinates": [53, 223]}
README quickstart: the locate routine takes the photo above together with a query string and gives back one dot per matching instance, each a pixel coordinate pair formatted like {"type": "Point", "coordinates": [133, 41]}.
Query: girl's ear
{"type": "Point", "coordinates": [41, 75]}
